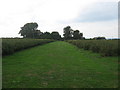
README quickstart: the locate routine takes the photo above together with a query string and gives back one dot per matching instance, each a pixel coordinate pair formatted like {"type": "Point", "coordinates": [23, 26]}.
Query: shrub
{"type": "Point", "coordinates": [104, 47]}
{"type": "Point", "coordinates": [10, 46]}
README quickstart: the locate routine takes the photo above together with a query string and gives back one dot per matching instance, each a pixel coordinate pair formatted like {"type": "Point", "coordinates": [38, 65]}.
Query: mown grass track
{"type": "Point", "coordinates": [59, 65]}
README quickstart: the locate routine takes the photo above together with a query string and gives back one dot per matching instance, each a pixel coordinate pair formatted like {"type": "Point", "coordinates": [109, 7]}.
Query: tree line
{"type": "Point", "coordinates": [29, 30]}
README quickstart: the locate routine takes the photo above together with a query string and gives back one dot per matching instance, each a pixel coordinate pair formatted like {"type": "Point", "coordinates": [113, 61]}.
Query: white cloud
{"type": "Point", "coordinates": [49, 14]}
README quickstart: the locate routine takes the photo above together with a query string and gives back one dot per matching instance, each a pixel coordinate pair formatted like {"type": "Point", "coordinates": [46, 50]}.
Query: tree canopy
{"type": "Point", "coordinates": [77, 34]}
{"type": "Point", "coordinates": [29, 30]}
{"type": "Point", "coordinates": [72, 34]}
{"type": "Point", "coordinates": [55, 35]}
{"type": "Point", "coordinates": [45, 35]}
{"type": "Point", "coordinates": [67, 32]}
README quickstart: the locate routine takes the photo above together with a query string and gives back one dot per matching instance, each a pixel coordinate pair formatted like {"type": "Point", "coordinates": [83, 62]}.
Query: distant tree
{"type": "Point", "coordinates": [77, 35]}
{"type": "Point", "coordinates": [67, 32]}
{"type": "Point", "coordinates": [29, 30]}
{"type": "Point", "coordinates": [83, 37]}
{"type": "Point", "coordinates": [56, 35]}
{"type": "Point", "coordinates": [46, 35]}
{"type": "Point", "coordinates": [99, 38]}
{"type": "Point", "coordinates": [37, 33]}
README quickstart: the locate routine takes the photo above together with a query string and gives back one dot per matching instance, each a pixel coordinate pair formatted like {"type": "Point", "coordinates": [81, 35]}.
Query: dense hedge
{"type": "Point", "coordinates": [9, 46]}
{"type": "Point", "coordinates": [104, 47]}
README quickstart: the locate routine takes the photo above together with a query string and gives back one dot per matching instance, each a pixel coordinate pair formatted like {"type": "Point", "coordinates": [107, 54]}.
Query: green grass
{"type": "Point", "coordinates": [59, 65]}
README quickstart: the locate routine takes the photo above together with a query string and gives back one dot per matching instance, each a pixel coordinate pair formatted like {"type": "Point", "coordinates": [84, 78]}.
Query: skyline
{"type": "Point", "coordinates": [93, 18]}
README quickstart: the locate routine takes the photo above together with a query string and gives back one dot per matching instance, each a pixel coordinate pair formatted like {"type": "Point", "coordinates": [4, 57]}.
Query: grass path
{"type": "Point", "coordinates": [59, 65]}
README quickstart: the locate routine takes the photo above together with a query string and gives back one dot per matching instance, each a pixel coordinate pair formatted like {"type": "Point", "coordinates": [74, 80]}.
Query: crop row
{"type": "Point", "coordinates": [10, 46]}
{"type": "Point", "coordinates": [104, 47]}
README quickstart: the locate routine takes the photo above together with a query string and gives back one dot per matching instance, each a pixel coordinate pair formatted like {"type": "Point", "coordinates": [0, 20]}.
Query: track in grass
{"type": "Point", "coordinates": [59, 65]}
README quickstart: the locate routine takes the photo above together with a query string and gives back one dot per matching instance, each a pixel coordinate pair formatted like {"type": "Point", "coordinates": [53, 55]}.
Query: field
{"type": "Point", "coordinates": [10, 46]}
{"type": "Point", "coordinates": [59, 65]}
{"type": "Point", "coordinates": [104, 47]}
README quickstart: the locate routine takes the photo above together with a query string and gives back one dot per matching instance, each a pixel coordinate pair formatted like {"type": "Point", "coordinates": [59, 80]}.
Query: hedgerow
{"type": "Point", "coordinates": [10, 46]}
{"type": "Point", "coordinates": [104, 47]}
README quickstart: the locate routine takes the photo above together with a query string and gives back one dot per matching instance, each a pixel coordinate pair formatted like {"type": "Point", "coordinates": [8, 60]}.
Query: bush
{"type": "Point", "coordinates": [104, 47]}
{"type": "Point", "coordinates": [10, 46]}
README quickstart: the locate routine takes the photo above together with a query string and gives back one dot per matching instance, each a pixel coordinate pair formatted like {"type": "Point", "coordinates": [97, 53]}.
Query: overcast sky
{"type": "Point", "coordinates": [92, 17]}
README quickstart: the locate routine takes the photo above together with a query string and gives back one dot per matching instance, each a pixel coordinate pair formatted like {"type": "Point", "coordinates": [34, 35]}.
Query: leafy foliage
{"type": "Point", "coordinates": [55, 36]}
{"type": "Point", "coordinates": [77, 34]}
{"type": "Point", "coordinates": [67, 32]}
{"type": "Point", "coordinates": [104, 47]}
{"type": "Point", "coordinates": [9, 46]}
{"type": "Point", "coordinates": [29, 30]}
{"type": "Point", "coordinates": [45, 35]}
{"type": "Point", "coordinates": [72, 34]}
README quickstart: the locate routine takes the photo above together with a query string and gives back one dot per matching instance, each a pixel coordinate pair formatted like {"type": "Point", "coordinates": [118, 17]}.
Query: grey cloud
{"type": "Point", "coordinates": [103, 11]}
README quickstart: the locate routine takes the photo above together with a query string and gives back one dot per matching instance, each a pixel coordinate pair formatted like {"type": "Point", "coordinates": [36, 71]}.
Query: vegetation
{"type": "Point", "coordinates": [67, 32]}
{"type": "Point", "coordinates": [29, 30]}
{"type": "Point", "coordinates": [9, 46]}
{"type": "Point", "coordinates": [72, 34]}
{"type": "Point", "coordinates": [77, 34]}
{"type": "Point", "coordinates": [47, 35]}
{"type": "Point", "coordinates": [104, 47]}
{"type": "Point", "coordinates": [59, 65]}
{"type": "Point", "coordinates": [55, 36]}
{"type": "Point", "coordinates": [99, 38]}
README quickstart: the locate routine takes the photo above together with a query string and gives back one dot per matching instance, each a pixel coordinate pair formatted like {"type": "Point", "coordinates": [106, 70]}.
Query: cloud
{"type": "Point", "coordinates": [102, 11]}
{"type": "Point", "coordinates": [54, 15]}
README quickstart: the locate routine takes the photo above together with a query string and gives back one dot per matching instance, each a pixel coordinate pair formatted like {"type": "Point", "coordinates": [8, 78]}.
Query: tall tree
{"type": "Point", "coordinates": [67, 32]}
{"type": "Point", "coordinates": [29, 30]}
